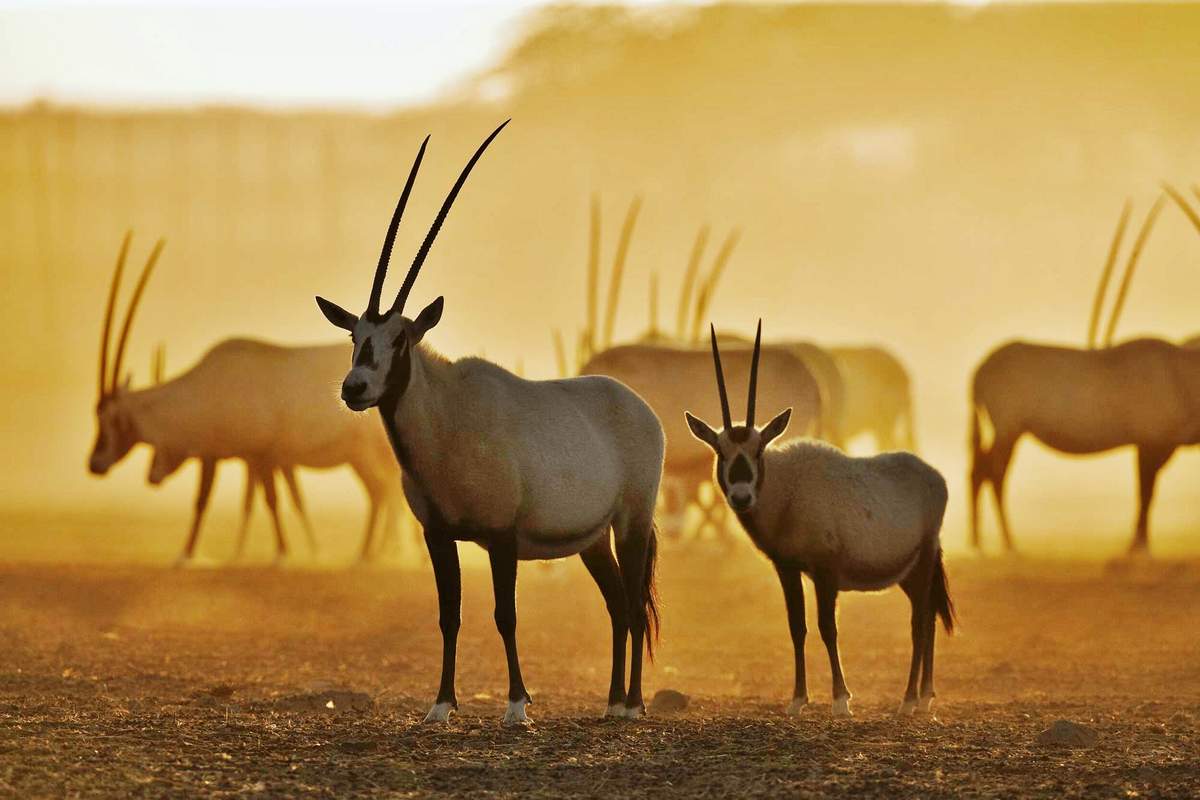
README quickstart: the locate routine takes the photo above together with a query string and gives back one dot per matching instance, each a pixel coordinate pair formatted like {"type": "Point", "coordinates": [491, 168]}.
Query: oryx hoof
{"type": "Point", "coordinates": [440, 712]}
{"type": "Point", "coordinates": [925, 705]}
{"type": "Point", "coordinates": [907, 707]}
{"type": "Point", "coordinates": [616, 710]}
{"type": "Point", "coordinates": [841, 708]}
{"type": "Point", "coordinates": [515, 715]}
{"type": "Point", "coordinates": [635, 711]}
{"type": "Point", "coordinates": [797, 706]}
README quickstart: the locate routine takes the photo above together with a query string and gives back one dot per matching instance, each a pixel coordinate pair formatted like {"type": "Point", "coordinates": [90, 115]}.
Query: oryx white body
{"type": "Point", "coordinates": [868, 518]}
{"type": "Point", "coordinates": [527, 469]}
{"type": "Point", "coordinates": [555, 462]}
{"type": "Point", "coordinates": [848, 523]}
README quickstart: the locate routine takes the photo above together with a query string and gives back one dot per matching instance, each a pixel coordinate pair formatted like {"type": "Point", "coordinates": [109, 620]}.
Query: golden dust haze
{"type": "Point", "coordinates": [933, 178]}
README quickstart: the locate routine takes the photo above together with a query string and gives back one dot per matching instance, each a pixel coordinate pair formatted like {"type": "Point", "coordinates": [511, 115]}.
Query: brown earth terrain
{"type": "Point", "coordinates": [150, 682]}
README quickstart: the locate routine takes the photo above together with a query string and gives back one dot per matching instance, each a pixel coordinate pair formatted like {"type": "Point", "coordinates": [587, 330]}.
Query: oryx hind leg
{"type": "Point", "coordinates": [293, 486]}
{"type": "Point", "coordinates": [999, 460]}
{"type": "Point", "coordinates": [266, 475]}
{"type": "Point", "coordinates": [636, 555]}
{"type": "Point", "coordinates": [603, 568]}
{"type": "Point", "coordinates": [1150, 461]}
{"type": "Point", "coordinates": [918, 587]}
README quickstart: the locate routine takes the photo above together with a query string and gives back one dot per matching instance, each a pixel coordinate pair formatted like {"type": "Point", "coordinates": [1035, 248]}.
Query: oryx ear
{"type": "Point", "coordinates": [429, 316]}
{"type": "Point", "coordinates": [339, 316]}
{"type": "Point", "coordinates": [775, 427]}
{"type": "Point", "coordinates": [701, 430]}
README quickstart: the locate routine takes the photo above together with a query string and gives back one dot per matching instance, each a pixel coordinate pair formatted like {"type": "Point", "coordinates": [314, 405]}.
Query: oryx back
{"type": "Point", "coordinates": [672, 379]}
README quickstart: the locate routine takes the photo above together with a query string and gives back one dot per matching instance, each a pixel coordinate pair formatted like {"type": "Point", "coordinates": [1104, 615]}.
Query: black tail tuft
{"type": "Point", "coordinates": [650, 592]}
{"type": "Point", "coordinates": [940, 595]}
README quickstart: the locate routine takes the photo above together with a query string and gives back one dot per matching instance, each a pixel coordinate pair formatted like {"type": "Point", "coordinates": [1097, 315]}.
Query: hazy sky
{"type": "Point", "coordinates": [311, 53]}
{"type": "Point", "coordinates": [263, 52]}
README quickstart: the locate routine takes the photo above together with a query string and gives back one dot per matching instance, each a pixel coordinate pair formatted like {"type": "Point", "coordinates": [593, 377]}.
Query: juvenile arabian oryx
{"type": "Point", "coordinates": [263, 403]}
{"type": "Point", "coordinates": [848, 523]}
{"type": "Point", "coordinates": [526, 469]}
{"type": "Point", "coordinates": [1143, 392]}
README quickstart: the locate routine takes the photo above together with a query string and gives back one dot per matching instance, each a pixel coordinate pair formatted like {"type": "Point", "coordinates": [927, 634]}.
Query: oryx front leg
{"type": "Point", "coordinates": [826, 584]}
{"type": "Point", "coordinates": [443, 554]}
{"type": "Point", "coordinates": [502, 552]}
{"type": "Point", "coordinates": [208, 471]}
{"type": "Point", "coordinates": [793, 595]}
{"type": "Point", "coordinates": [603, 568]}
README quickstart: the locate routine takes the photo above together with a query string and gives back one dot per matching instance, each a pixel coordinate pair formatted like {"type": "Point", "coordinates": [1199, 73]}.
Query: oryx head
{"type": "Point", "coordinates": [383, 341]}
{"type": "Point", "coordinates": [116, 429]}
{"type": "Point", "coordinates": [739, 448]}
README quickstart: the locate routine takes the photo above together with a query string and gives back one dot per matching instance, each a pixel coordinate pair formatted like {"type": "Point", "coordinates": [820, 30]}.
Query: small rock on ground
{"type": "Point", "coordinates": [668, 701]}
{"type": "Point", "coordinates": [1064, 733]}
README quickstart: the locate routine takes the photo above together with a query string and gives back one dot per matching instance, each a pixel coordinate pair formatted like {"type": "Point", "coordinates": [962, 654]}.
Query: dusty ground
{"type": "Point", "coordinates": [144, 681]}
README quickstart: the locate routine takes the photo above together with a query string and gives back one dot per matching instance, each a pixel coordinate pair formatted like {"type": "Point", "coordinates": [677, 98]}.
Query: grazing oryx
{"type": "Point", "coordinates": [1144, 392]}
{"type": "Point", "coordinates": [848, 523]}
{"type": "Point", "coordinates": [526, 469]}
{"type": "Point", "coordinates": [266, 404]}
{"type": "Point", "coordinates": [163, 464]}
{"type": "Point", "coordinates": [877, 397]}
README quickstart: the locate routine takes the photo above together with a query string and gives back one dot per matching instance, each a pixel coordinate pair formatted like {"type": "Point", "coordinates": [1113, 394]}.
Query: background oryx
{"type": "Point", "coordinates": [848, 523]}
{"type": "Point", "coordinates": [526, 469]}
{"type": "Point", "coordinates": [1144, 392]}
{"type": "Point", "coordinates": [268, 405]}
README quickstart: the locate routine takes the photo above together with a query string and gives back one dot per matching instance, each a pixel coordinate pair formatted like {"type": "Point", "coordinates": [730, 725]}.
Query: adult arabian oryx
{"type": "Point", "coordinates": [526, 469]}
{"type": "Point", "coordinates": [848, 523]}
{"type": "Point", "coordinates": [1143, 392]}
{"type": "Point", "coordinates": [268, 405]}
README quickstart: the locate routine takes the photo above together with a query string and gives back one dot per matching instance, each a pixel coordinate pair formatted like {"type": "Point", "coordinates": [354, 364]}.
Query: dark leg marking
{"type": "Point", "coordinates": [603, 567]}
{"type": "Point", "coordinates": [443, 553]}
{"type": "Point", "coordinates": [502, 553]}
{"type": "Point", "coordinates": [793, 595]}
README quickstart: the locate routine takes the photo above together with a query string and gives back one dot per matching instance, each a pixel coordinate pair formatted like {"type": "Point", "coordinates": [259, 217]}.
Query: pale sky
{"type": "Point", "coordinates": [312, 53]}
{"type": "Point", "coordinates": [263, 52]}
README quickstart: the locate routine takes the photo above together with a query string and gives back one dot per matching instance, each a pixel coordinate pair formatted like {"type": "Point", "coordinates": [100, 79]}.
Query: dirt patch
{"type": "Point", "coordinates": [153, 683]}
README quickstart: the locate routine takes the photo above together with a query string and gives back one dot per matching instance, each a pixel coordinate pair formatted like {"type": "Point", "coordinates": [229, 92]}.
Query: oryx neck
{"type": "Point", "coordinates": [416, 413]}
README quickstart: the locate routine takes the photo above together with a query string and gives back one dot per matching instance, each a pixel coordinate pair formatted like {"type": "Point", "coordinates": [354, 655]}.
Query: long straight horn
{"type": "Point", "coordinates": [1183, 204]}
{"type": "Point", "coordinates": [385, 255]}
{"type": "Point", "coordinates": [689, 282]}
{"type": "Point", "coordinates": [132, 310]}
{"type": "Point", "coordinates": [1134, 255]}
{"type": "Point", "coordinates": [618, 270]}
{"type": "Point", "coordinates": [1102, 288]}
{"type": "Point", "coordinates": [710, 283]}
{"type": "Point", "coordinates": [415, 269]}
{"type": "Point", "coordinates": [726, 420]}
{"type": "Point", "coordinates": [753, 391]}
{"type": "Point", "coordinates": [593, 273]}
{"type": "Point", "coordinates": [106, 331]}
